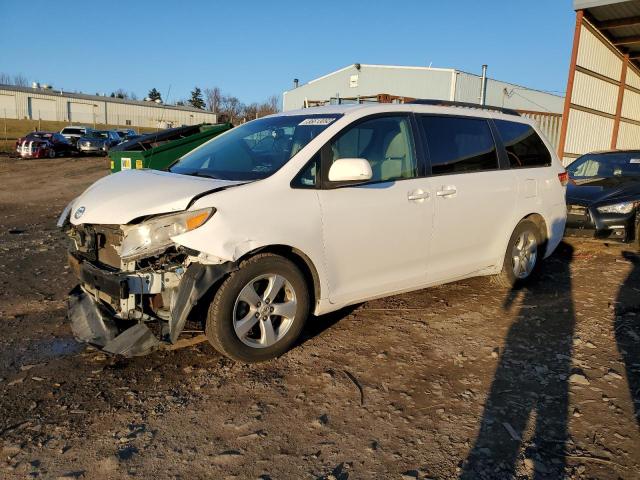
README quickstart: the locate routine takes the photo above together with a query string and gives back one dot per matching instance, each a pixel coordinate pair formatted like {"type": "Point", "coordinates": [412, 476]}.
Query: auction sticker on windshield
{"type": "Point", "coordinates": [317, 121]}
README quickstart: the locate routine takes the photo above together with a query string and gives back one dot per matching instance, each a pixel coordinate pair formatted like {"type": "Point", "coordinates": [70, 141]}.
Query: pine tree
{"type": "Point", "coordinates": [154, 95]}
{"type": "Point", "coordinates": [196, 100]}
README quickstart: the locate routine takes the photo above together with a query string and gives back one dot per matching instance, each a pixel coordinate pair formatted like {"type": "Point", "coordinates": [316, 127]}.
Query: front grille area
{"type": "Point", "coordinates": [98, 243]}
{"type": "Point", "coordinates": [107, 240]}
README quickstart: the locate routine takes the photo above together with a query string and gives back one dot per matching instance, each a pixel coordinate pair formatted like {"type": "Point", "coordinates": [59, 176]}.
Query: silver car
{"type": "Point", "coordinates": [73, 133]}
{"type": "Point", "coordinates": [98, 141]}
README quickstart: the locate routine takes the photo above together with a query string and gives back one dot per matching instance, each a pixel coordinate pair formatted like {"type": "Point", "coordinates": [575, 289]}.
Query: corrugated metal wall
{"type": "Point", "coordinates": [416, 82]}
{"type": "Point", "coordinates": [595, 92]}
{"type": "Point", "coordinates": [35, 104]}
{"type": "Point", "coordinates": [505, 95]}
{"type": "Point", "coordinates": [419, 82]}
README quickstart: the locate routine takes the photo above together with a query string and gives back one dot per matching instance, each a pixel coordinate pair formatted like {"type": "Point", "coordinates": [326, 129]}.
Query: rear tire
{"type": "Point", "coordinates": [259, 310]}
{"type": "Point", "coordinates": [523, 256]}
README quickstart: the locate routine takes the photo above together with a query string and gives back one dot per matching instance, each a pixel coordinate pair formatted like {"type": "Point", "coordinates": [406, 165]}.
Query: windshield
{"type": "Point", "coordinates": [39, 135]}
{"type": "Point", "coordinates": [73, 131]}
{"type": "Point", "coordinates": [254, 150]}
{"type": "Point", "coordinates": [97, 134]}
{"type": "Point", "coordinates": [607, 165]}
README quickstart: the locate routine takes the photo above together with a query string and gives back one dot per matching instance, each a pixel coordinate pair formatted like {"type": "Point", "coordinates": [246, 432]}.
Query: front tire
{"type": "Point", "coordinates": [259, 311]}
{"type": "Point", "coordinates": [523, 256]}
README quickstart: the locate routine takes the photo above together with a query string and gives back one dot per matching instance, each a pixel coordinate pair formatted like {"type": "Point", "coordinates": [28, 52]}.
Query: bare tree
{"type": "Point", "coordinates": [212, 97]}
{"type": "Point", "coordinates": [121, 93]}
{"type": "Point", "coordinates": [251, 111]}
{"type": "Point", "coordinates": [20, 80]}
{"type": "Point", "coordinates": [269, 107]}
{"type": "Point", "coordinates": [231, 107]}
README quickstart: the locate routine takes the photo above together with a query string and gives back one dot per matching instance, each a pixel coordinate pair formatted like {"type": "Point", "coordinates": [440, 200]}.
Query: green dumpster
{"type": "Point", "coordinates": [161, 149]}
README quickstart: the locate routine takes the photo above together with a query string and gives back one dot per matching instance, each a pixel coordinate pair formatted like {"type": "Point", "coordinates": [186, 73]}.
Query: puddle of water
{"type": "Point", "coordinates": [61, 346]}
{"type": "Point", "coordinates": [41, 351]}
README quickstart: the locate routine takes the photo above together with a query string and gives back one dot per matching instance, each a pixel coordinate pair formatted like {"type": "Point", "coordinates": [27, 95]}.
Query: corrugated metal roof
{"type": "Point", "coordinates": [618, 21]}
{"type": "Point", "coordinates": [582, 4]}
{"type": "Point", "coordinates": [84, 96]}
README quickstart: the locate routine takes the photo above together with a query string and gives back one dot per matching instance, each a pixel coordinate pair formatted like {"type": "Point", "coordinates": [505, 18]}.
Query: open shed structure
{"type": "Point", "coordinates": [602, 104]}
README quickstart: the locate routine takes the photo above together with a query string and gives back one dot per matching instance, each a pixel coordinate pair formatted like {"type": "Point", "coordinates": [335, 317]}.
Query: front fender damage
{"type": "Point", "coordinates": [93, 323]}
{"type": "Point", "coordinates": [197, 280]}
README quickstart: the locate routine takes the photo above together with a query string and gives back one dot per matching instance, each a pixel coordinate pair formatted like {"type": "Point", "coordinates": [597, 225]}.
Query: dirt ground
{"type": "Point", "coordinates": [461, 381]}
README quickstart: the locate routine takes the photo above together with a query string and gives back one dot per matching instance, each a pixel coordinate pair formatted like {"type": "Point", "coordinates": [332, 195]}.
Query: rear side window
{"type": "Point", "coordinates": [459, 145]}
{"type": "Point", "coordinates": [525, 148]}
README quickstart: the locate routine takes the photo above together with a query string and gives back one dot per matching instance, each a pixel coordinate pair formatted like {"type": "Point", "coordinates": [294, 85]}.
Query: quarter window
{"type": "Point", "coordinates": [459, 145]}
{"type": "Point", "coordinates": [308, 176]}
{"type": "Point", "coordinates": [387, 144]}
{"type": "Point", "coordinates": [524, 147]}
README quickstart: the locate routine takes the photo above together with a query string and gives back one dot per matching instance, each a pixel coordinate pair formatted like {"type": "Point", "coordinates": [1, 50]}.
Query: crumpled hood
{"type": "Point", "coordinates": [603, 190]}
{"type": "Point", "coordinates": [124, 196]}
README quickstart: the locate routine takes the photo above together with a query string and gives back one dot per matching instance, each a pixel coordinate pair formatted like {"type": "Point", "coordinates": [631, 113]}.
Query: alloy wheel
{"type": "Point", "coordinates": [524, 254]}
{"type": "Point", "coordinates": [264, 310]}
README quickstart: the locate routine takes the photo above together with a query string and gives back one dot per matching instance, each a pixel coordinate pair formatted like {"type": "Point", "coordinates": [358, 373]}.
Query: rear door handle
{"type": "Point", "coordinates": [447, 192]}
{"type": "Point", "coordinates": [417, 195]}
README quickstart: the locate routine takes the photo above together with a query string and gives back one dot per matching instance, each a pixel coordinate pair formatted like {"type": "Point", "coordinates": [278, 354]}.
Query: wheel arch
{"type": "Point", "coordinates": [542, 228]}
{"type": "Point", "coordinates": [300, 259]}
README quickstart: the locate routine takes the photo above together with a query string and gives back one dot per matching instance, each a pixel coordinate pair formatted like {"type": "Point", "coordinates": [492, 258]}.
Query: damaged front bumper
{"type": "Point", "coordinates": [118, 311]}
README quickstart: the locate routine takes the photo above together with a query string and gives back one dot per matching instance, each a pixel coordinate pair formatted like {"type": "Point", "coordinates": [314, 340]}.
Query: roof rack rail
{"type": "Point", "coordinates": [449, 103]}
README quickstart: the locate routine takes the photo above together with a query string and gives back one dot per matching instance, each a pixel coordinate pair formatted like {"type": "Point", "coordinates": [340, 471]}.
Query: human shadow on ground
{"type": "Point", "coordinates": [531, 382]}
{"type": "Point", "coordinates": [627, 329]}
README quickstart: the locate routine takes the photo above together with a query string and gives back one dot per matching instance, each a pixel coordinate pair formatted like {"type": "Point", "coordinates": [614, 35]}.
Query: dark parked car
{"type": "Point", "coordinates": [603, 196]}
{"type": "Point", "coordinates": [43, 145]}
{"type": "Point", "coordinates": [126, 134]}
{"type": "Point", "coordinates": [98, 141]}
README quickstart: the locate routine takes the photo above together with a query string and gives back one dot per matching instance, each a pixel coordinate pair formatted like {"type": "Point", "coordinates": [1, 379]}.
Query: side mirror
{"type": "Point", "coordinates": [350, 170]}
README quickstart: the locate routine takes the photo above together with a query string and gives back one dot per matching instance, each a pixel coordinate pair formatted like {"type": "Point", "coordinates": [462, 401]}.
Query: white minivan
{"type": "Point", "coordinates": [306, 212]}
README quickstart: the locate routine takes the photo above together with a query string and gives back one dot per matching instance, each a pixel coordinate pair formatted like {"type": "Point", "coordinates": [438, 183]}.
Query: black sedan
{"type": "Point", "coordinates": [603, 196]}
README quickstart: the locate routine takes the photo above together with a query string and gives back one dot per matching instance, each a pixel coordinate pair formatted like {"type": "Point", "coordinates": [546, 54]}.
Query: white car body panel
{"type": "Point", "coordinates": [124, 196]}
{"type": "Point", "coordinates": [376, 239]}
{"type": "Point", "coordinates": [364, 242]}
{"type": "Point", "coordinates": [483, 204]}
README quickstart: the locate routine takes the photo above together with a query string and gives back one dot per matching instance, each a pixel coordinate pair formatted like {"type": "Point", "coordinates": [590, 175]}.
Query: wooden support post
{"type": "Point", "coordinates": [572, 75]}
{"type": "Point", "coordinates": [621, 89]}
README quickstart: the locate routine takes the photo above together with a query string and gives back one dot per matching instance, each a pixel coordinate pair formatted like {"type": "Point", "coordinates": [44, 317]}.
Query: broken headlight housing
{"type": "Point", "coordinates": [624, 207]}
{"type": "Point", "coordinates": [154, 235]}
{"type": "Point", "coordinates": [64, 216]}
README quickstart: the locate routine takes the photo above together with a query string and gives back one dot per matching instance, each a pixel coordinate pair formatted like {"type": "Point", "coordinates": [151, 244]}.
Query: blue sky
{"type": "Point", "coordinates": [254, 48]}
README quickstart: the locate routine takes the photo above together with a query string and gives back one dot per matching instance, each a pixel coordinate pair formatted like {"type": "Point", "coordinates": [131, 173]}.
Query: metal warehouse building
{"type": "Point", "coordinates": [57, 105]}
{"type": "Point", "coordinates": [360, 81]}
{"type": "Point", "coordinates": [602, 108]}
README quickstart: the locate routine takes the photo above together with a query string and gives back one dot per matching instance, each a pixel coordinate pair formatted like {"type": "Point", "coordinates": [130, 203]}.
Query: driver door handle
{"type": "Point", "coordinates": [447, 191]}
{"type": "Point", "coordinates": [417, 195]}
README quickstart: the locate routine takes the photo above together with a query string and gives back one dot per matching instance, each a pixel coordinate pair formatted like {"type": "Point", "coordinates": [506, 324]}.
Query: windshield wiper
{"type": "Point", "coordinates": [197, 173]}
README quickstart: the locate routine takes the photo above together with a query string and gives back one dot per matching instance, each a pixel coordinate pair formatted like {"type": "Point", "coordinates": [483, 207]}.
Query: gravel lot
{"type": "Point", "coordinates": [460, 381]}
